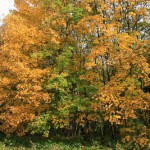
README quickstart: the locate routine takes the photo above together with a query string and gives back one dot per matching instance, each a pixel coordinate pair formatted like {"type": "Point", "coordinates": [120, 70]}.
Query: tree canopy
{"type": "Point", "coordinates": [77, 67]}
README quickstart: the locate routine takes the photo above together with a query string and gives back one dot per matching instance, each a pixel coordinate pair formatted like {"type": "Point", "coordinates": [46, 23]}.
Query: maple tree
{"type": "Point", "coordinates": [77, 67]}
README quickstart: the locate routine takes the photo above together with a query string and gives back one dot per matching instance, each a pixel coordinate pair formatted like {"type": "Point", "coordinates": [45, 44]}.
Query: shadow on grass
{"type": "Point", "coordinates": [58, 142]}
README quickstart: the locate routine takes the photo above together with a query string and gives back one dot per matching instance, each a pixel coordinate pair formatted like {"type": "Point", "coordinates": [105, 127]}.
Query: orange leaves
{"type": "Point", "coordinates": [21, 35]}
{"type": "Point", "coordinates": [137, 135]}
{"type": "Point", "coordinates": [88, 8]}
{"type": "Point", "coordinates": [91, 77]}
{"type": "Point", "coordinates": [98, 50]}
{"type": "Point", "coordinates": [81, 120]}
{"type": "Point", "coordinates": [59, 121]}
{"type": "Point", "coordinates": [5, 81]}
{"type": "Point", "coordinates": [73, 66]}
{"type": "Point", "coordinates": [113, 119]}
{"type": "Point", "coordinates": [14, 117]}
{"type": "Point", "coordinates": [88, 25]}
{"type": "Point", "coordinates": [37, 73]}
{"type": "Point", "coordinates": [37, 88]}
{"type": "Point", "coordinates": [142, 11]}
{"type": "Point", "coordinates": [46, 97]}
{"type": "Point", "coordinates": [94, 106]}
{"type": "Point", "coordinates": [24, 96]}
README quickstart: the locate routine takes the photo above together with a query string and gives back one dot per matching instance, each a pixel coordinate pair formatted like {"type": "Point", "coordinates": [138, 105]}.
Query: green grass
{"type": "Point", "coordinates": [57, 143]}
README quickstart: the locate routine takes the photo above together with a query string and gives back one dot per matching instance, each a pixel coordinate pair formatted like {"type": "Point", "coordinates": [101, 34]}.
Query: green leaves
{"type": "Point", "coordinates": [77, 68]}
{"type": "Point", "coordinates": [72, 14]}
{"type": "Point", "coordinates": [41, 124]}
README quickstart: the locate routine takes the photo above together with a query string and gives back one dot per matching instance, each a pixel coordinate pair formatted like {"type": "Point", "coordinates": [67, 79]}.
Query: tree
{"type": "Point", "coordinates": [76, 67]}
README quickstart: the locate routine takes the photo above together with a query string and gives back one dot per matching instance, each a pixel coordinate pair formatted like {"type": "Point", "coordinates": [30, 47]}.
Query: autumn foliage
{"type": "Point", "coordinates": [76, 67]}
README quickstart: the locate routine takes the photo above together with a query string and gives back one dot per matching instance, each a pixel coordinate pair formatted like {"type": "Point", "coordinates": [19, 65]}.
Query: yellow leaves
{"type": "Point", "coordinates": [37, 88]}
{"type": "Point", "coordinates": [37, 73]}
{"type": "Point", "coordinates": [119, 103]}
{"type": "Point", "coordinates": [64, 74]}
{"type": "Point", "coordinates": [126, 66]}
{"type": "Point", "coordinates": [129, 114]}
{"type": "Point", "coordinates": [46, 134]}
{"type": "Point", "coordinates": [142, 141]}
{"type": "Point", "coordinates": [131, 136]}
{"type": "Point", "coordinates": [5, 81]}
{"type": "Point", "coordinates": [114, 119]}
{"type": "Point", "coordinates": [15, 116]}
{"type": "Point", "coordinates": [127, 138]}
{"type": "Point", "coordinates": [132, 14]}
{"type": "Point", "coordinates": [51, 35]}
{"type": "Point", "coordinates": [81, 120]}
{"type": "Point", "coordinates": [60, 121]}
{"type": "Point", "coordinates": [88, 8]}
{"type": "Point", "coordinates": [96, 41]}
{"type": "Point", "coordinates": [125, 39]}
{"type": "Point", "coordinates": [98, 50]}
{"type": "Point", "coordinates": [104, 6]}
{"type": "Point", "coordinates": [90, 64]}
{"type": "Point", "coordinates": [46, 97]}
{"type": "Point", "coordinates": [17, 31]}
{"type": "Point", "coordinates": [117, 116]}
{"type": "Point", "coordinates": [93, 117]}
{"type": "Point", "coordinates": [90, 25]}
{"type": "Point", "coordinates": [90, 76]}
{"type": "Point", "coordinates": [141, 11]}
{"type": "Point", "coordinates": [101, 51]}
{"type": "Point", "coordinates": [94, 107]}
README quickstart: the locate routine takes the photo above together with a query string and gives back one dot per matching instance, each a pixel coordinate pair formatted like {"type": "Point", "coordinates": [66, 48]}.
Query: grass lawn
{"type": "Point", "coordinates": [39, 143]}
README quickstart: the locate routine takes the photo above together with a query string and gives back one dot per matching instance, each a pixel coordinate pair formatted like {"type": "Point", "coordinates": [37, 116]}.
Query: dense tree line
{"type": "Point", "coordinates": [76, 67]}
